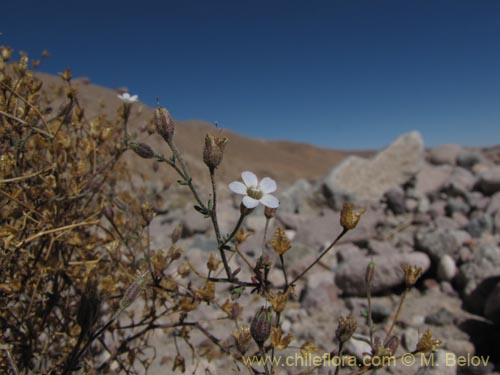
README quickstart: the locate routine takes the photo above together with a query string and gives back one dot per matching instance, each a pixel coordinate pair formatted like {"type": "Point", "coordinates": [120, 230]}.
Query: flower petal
{"type": "Point", "coordinates": [238, 187]}
{"type": "Point", "coordinates": [270, 201]}
{"type": "Point", "coordinates": [249, 178]}
{"type": "Point", "coordinates": [267, 185]}
{"type": "Point", "coordinates": [250, 202]}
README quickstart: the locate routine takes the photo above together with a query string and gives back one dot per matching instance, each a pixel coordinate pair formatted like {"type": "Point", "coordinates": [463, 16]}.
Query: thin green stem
{"type": "Point", "coordinates": [344, 231]}
{"type": "Point", "coordinates": [370, 320]}
{"type": "Point", "coordinates": [215, 222]}
{"type": "Point", "coordinates": [264, 237]}
{"type": "Point", "coordinates": [398, 311]}
{"type": "Point", "coordinates": [282, 259]}
{"type": "Point", "coordinates": [339, 354]}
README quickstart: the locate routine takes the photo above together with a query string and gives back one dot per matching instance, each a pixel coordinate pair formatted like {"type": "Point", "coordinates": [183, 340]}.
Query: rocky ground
{"type": "Point", "coordinates": [437, 208]}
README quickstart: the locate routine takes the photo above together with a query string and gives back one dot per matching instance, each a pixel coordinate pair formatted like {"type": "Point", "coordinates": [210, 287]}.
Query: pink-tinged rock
{"type": "Point", "coordinates": [445, 154]}
{"type": "Point", "coordinates": [460, 181]}
{"type": "Point", "coordinates": [489, 181]}
{"type": "Point", "coordinates": [350, 276]}
{"type": "Point", "coordinates": [432, 179]}
{"type": "Point", "coordinates": [366, 180]}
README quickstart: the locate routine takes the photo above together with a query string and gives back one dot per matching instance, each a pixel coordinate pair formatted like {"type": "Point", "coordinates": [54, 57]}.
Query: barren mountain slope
{"type": "Point", "coordinates": [282, 160]}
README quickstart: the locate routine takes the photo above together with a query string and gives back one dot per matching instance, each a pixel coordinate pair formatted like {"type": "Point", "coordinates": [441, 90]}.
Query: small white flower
{"type": "Point", "coordinates": [255, 192]}
{"type": "Point", "coordinates": [126, 98]}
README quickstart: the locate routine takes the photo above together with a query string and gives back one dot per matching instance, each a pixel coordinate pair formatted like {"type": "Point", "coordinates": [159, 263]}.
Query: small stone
{"type": "Point", "coordinates": [441, 317]}
{"type": "Point", "coordinates": [447, 269]}
{"type": "Point", "coordinates": [480, 225]}
{"type": "Point", "coordinates": [411, 337]}
{"type": "Point", "coordinates": [489, 181]}
{"type": "Point", "coordinates": [395, 199]}
{"type": "Point", "coordinates": [469, 159]}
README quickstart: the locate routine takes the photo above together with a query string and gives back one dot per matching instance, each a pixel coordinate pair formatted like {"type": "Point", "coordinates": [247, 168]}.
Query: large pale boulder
{"type": "Point", "coordinates": [366, 180]}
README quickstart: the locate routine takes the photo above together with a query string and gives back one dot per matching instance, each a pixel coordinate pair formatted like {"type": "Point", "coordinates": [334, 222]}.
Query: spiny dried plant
{"type": "Point", "coordinates": [75, 252]}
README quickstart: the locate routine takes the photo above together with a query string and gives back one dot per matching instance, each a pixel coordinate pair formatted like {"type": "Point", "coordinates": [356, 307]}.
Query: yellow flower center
{"type": "Point", "coordinates": [254, 192]}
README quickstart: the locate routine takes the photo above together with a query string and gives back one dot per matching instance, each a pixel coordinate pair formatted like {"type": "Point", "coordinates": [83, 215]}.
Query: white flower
{"type": "Point", "coordinates": [255, 191]}
{"type": "Point", "coordinates": [126, 98]}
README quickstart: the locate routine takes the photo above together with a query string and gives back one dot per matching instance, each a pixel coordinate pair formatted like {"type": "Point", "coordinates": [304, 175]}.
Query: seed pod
{"type": "Point", "coordinates": [164, 123]}
{"type": "Point", "coordinates": [133, 291]}
{"type": "Point", "coordinates": [261, 325]}
{"type": "Point", "coordinates": [214, 150]}
{"type": "Point", "coordinates": [349, 218]}
{"type": "Point", "coordinates": [346, 328]}
{"type": "Point", "coordinates": [370, 270]}
{"type": "Point", "coordinates": [392, 345]}
{"type": "Point", "coordinates": [142, 149]}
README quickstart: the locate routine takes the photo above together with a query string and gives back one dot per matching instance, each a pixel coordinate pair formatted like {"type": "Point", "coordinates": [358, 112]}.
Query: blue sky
{"type": "Point", "coordinates": [343, 74]}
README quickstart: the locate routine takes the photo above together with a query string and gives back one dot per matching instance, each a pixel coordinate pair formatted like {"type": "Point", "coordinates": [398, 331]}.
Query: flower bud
{"type": "Point", "coordinates": [142, 149]}
{"type": "Point", "coordinates": [269, 212]}
{"type": "Point", "coordinates": [370, 271]}
{"type": "Point", "coordinates": [392, 345]}
{"type": "Point", "coordinates": [261, 325]}
{"type": "Point", "coordinates": [346, 328]}
{"type": "Point", "coordinates": [214, 150]}
{"type": "Point", "coordinates": [176, 234]}
{"type": "Point", "coordinates": [164, 123]}
{"type": "Point", "coordinates": [349, 218]}
{"type": "Point", "coordinates": [108, 212]}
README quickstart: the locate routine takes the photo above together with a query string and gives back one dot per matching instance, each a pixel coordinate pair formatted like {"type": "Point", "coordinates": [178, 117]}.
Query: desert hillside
{"type": "Point", "coordinates": [282, 160]}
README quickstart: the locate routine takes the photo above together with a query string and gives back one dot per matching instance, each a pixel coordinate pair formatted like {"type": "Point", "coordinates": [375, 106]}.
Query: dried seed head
{"type": "Point", "coordinates": [243, 339]}
{"type": "Point", "coordinates": [269, 212]}
{"type": "Point", "coordinates": [427, 344]}
{"type": "Point", "coordinates": [412, 274]}
{"type": "Point", "coordinates": [164, 123]}
{"type": "Point", "coordinates": [346, 328]}
{"type": "Point", "coordinates": [213, 263]}
{"type": "Point", "coordinates": [261, 325]}
{"type": "Point", "coordinates": [66, 75]}
{"type": "Point", "coordinates": [179, 362]}
{"type": "Point", "coordinates": [278, 301]}
{"type": "Point", "coordinates": [142, 149]}
{"type": "Point", "coordinates": [278, 341]}
{"type": "Point", "coordinates": [349, 218]}
{"type": "Point", "coordinates": [241, 236]}
{"type": "Point", "coordinates": [280, 242]}
{"type": "Point", "coordinates": [214, 150]}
